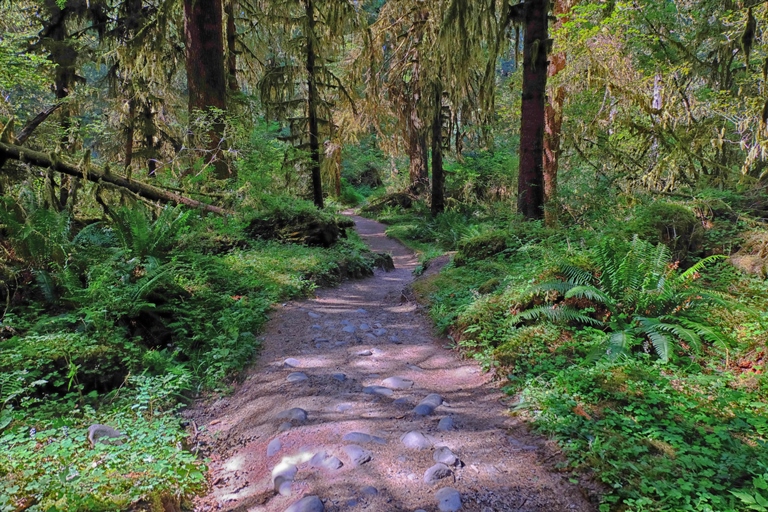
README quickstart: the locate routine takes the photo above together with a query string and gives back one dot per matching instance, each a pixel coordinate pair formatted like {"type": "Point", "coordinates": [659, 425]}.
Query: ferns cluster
{"type": "Point", "coordinates": [636, 294]}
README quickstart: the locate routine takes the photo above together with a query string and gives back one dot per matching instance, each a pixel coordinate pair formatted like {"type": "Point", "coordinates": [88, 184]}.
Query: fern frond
{"type": "Point", "coordinates": [688, 336]}
{"type": "Point", "coordinates": [619, 344]}
{"type": "Point", "coordinates": [560, 287]}
{"type": "Point", "coordinates": [660, 341]}
{"type": "Point", "coordinates": [558, 314]}
{"type": "Point", "coordinates": [576, 275]}
{"type": "Point", "coordinates": [699, 266]}
{"type": "Point", "coordinates": [706, 332]}
{"type": "Point", "coordinates": [588, 292]}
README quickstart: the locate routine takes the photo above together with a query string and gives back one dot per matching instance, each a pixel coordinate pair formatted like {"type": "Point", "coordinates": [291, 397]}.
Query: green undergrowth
{"type": "Point", "coordinates": [642, 356]}
{"type": "Point", "coordinates": [121, 321]}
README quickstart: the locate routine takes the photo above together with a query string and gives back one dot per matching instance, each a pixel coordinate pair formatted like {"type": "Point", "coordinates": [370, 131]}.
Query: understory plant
{"type": "Point", "coordinates": [636, 294]}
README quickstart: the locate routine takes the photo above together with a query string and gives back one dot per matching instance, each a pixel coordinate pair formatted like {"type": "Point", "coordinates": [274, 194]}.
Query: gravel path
{"type": "Point", "coordinates": [353, 404]}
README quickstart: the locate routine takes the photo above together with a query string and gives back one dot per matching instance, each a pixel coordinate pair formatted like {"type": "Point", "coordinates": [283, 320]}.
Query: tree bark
{"type": "Point", "coordinates": [231, 42]}
{"type": "Point", "coordinates": [129, 132]}
{"type": "Point", "coordinates": [530, 198]}
{"type": "Point", "coordinates": [312, 102]}
{"type": "Point", "coordinates": [203, 30]}
{"type": "Point", "coordinates": [418, 153]}
{"type": "Point", "coordinates": [438, 176]}
{"type": "Point", "coordinates": [553, 121]}
{"type": "Point", "coordinates": [14, 152]}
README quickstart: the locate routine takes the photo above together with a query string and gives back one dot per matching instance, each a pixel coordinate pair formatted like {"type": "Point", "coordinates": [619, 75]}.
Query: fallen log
{"type": "Point", "coordinates": [150, 192]}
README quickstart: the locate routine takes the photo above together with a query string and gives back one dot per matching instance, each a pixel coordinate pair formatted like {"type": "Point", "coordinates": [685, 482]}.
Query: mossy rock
{"type": "Point", "coordinates": [489, 286]}
{"type": "Point", "coordinates": [300, 225]}
{"type": "Point", "coordinates": [674, 225]}
{"type": "Point", "coordinates": [481, 247]}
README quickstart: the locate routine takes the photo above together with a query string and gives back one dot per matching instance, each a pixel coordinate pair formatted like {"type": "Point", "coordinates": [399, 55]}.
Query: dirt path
{"type": "Point", "coordinates": [350, 406]}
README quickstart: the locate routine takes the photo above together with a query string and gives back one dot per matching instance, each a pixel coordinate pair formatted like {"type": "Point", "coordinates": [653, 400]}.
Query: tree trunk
{"type": "Point", "coordinates": [206, 79]}
{"type": "Point", "coordinates": [129, 132]}
{"type": "Point", "coordinates": [418, 153]}
{"type": "Point", "coordinates": [530, 198]}
{"type": "Point", "coordinates": [231, 41]}
{"type": "Point", "coordinates": [553, 121]}
{"type": "Point", "coordinates": [37, 158]}
{"type": "Point", "coordinates": [438, 176]}
{"type": "Point", "coordinates": [312, 102]}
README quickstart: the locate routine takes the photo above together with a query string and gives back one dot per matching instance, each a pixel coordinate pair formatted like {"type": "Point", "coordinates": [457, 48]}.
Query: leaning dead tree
{"type": "Point", "coordinates": [152, 193]}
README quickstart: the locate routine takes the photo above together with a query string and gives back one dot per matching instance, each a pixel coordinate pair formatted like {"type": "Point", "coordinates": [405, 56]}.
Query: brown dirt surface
{"type": "Point", "coordinates": [369, 331]}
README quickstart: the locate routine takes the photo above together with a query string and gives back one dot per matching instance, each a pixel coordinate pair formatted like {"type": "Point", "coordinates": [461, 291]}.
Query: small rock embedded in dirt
{"type": "Point", "coordinates": [379, 332]}
{"type": "Point", "coordinates": [98, 433]}
{"type": "Point", "coordinates": [445, 424]}
{"type": "Point", "coordinates": [286, 425]}
{"type": "Point", "coordinates": [349, 328]}
{"type": "Point", "coordinates": [444, 455]}
{"type": "Point", "coordinates": [294, 415]}
{"type": "Point", "coordinates": [339, 377]}
{"type": "Point", "coordinates": [297, 377]}
{"type": "Point", "coordinates": [344, 407]}
{"type": "Point", "coordinates": [397, 383]}
{"type": "Point", "coordinates": [322, 340]}
{"type": "Point", "coordinates": [316, 327]}
{"type": "Point", "coordinates": [377, 352]}
{"type": "Point", "coordinates": [292, 363]}
{"type": "Point", "coordinates": [401, 401]}
{"type": "Point", "coordinates": [282, 478]}
{"type": "Point", "coordinates": [360, 437]}
{"type": "Point", "coordinates": [364, 327]}
{"type": "Point", "coordinates": [520, 445]}
{"type": "Point", "coordinates": [437, 472]}
{"type": "Point", "coordinates": [273, 447]}
{"type": "Point", "coordinates": [365, 353]}
{"type": "Point", "coordinates": [377, 390]}
{"type": "Point", "coordinates": [357, 454]}
{"type": "Point", "coordinates": [307, 504]}
{"type": "Point", "coordinates": [313, 315]}
{"type": "Point", "coordinates": [369, 490]}
{"type": "Point", "coordinates": [395, 340]}
{"type": "Point", "coordinates": [323, 460]}
{"type": "Point", "coordinates": [361, 311]}
{"type": "Point", "coordinates": [448, 500]}
{"type": "Point", "coordinates": [415, 440]}
{"type": "Point", "coordinates": [428, 405]}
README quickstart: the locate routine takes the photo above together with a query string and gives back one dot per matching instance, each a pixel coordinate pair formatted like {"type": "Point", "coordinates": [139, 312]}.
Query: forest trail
{"type": "Point", "coordinates": [349, 404]}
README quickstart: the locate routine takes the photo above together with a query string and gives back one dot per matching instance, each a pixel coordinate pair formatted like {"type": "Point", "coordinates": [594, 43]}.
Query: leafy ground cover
{"type": "Point", "coordinates": [120, 321]}
{"type": "Point", "coordinates": [639, 354]}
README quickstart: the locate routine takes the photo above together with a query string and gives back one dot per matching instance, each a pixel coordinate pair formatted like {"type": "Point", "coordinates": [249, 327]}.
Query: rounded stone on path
{"type": "Point", "coordinates": [339, 377]}
{"type": "Point", "coordinates": [415, 440]}
{"type": "Point", "coordinates": [349, 328]}
{"type": "Point", "coordinates": [313, 315]}
{"type": "Point", "coordinates": [297, 377]}
{"type": "Point", "coordinates": [323, 460]}
{"type": "Point", "coordinates": [296, 414]}
{"type": "Point", "coordinates": [448, 499]}
{"type": "Point", "coordinates": [357, 455]}
{"type": "Point", "coordinates": [428, 405]}
{"type": "Point", "coordinates": [307, 504]}
{"type": "Point", "coordinates": [286, 425]}
{"type": "Point", "coordinates": [360, 437]}
{"type": "Point", "coordinates": [283, 478]}
{"type": "Point", "coordinates": [379, 332]}
{"type": "Point", "coordinates": [444, 455]}
{"type": "Point", "coordinates": [395, 340]}
{"type": "Point", "coordinates": [344, 407]}
{"type": "Point", "coordinates": [445, 424]}
{"type": "Point", "coordinates": [402, 401]}
{"type": "Point", "coordinates": [365, 353]}
{"type": "Point", "coordinates": [364, 327]}
{"type": "Point", "coordinates": [292, 362]}
{"type": "Point", "coordinates": [316, 327]}
{"type": "Point", "coordinates": [377, 390]}
{"type": "Point", "coordinates": [437, 472]}
{"type": "Point", "coordinates": [361, 311]}
{"type": "Point", "coordinates": [273, 447]}
{"type": "Point", "coordinates": [369, 490]}
{"type": "Point", "coordinates": [397, 383]}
